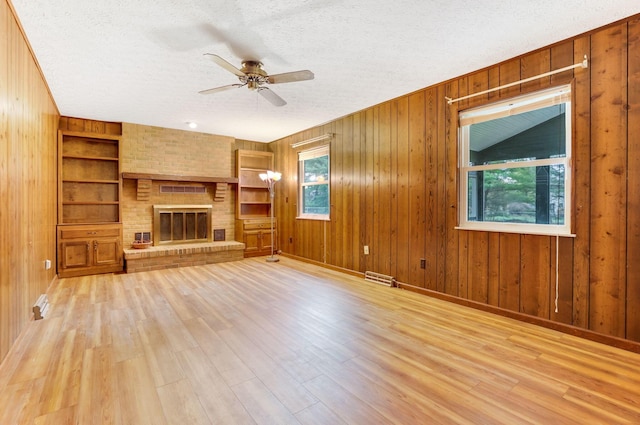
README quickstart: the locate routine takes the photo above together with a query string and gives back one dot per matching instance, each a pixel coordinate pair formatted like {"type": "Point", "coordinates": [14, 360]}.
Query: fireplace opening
{"type": "Point", "coordinates": [174, 224]}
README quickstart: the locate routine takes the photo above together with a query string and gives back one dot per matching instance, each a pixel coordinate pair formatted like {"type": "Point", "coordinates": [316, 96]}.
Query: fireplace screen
{"type": "Point", "coordinates": [181, 224]}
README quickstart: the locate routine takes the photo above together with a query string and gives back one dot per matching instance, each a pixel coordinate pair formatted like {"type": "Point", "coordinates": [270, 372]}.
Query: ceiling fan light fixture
{"type": "Point", "coordinates": [254, 77]}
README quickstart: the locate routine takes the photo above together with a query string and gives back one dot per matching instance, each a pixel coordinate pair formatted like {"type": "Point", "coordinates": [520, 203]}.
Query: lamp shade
{"type": "Point", "coordinates": [272, 176]}
{"type": "Point", "coordinates": [275, 176]}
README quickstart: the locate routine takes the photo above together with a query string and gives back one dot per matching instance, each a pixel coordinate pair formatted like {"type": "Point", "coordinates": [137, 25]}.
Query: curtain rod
{"type": "Point", "coordinates": [313, 140]}
{"type": "Point", "coordinates": [583, 64]}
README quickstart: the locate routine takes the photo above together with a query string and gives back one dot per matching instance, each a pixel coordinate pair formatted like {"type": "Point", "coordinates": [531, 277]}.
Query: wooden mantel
{"type": "Point", "coordinates": [144, 183]}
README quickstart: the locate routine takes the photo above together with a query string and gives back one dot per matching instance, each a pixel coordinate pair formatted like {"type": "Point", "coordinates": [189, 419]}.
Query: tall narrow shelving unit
{"type": "Point", "coordinates": [253, 193]}
{"type": "Point", "coordinates": [89, 186]}
{"type": "Point", "coordinates": [89, 210]}
{"type": "Point", "coordinates": [253, 205]}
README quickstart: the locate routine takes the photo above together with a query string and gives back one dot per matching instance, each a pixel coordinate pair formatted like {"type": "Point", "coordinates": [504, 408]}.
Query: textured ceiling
{"type": "Point", "coordinates": [141, 61]}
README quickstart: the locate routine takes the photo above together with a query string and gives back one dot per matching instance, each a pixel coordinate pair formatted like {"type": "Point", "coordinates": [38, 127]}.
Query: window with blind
{"type": "Point", "coordinates": [313, 183]}
{"type": "Point", "coordinates": [515, 164]}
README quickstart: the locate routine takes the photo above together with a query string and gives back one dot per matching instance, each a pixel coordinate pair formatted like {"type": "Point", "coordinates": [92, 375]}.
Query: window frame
{"type": "Point", "coordinates": [524, 103]}
{"type": "Point", "coordinates": [307, 154]}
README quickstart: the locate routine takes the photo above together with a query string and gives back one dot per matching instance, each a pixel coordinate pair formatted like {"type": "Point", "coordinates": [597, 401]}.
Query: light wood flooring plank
{"type": "Point", "coordinates": [318, 414]}
{"type": "Point", "coordinates": [181, 405]}
{"type": "Point", "coordinates": [138, 399]}
{"type": "Point", "coordinates": [59, 417]}
{"type": "Point", "coordinates": [225, 360]}
{"type": "Point", "coordinates": [217, 398]}
{"type": "Point", "coordinates": [29, 363]}
{"type": "Point", "coordinates": [97, 401]}
{"type": "Point", "coordinates": [63, 377]}
{"type": "Point", "coordinates": [159, 356]}
{"type": "Point", "coordinates": [252, 342]}
{"type": "Point", "coordinates": [19, 403]}
{"type": "Point", "coordinates": [262, 405]}
{"type": "Point", "coordinates": [125, 337]}
{"type": "Point", "coordinates": [343, 403]}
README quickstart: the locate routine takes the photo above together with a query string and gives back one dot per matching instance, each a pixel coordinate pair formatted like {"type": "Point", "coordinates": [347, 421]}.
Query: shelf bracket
{"type": "Point", "coordinates": [144, 189]}
{"type": "Point", "coordinates": [220, 192]}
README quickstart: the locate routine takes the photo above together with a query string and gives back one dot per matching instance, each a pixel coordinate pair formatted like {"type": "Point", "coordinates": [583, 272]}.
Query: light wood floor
{"type": "Point", "coordinates": [255, 342]}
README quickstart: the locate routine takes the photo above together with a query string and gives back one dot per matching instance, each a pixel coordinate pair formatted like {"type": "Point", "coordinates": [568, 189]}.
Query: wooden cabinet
{"type": "Point", "coordinates": [89, 249]}
{"type": "Point", "coordinates": [89, 210]}
{"type": "Point", "coordinates": [253, 208]}
{"type": "Point", "coordinates": [256, 235]}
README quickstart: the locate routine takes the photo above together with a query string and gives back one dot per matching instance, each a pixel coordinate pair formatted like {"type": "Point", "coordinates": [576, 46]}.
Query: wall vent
{"type": "Point", "coordinates": [182, 189]}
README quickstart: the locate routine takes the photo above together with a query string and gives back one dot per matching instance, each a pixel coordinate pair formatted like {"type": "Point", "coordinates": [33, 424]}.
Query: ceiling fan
{"type": "Point", "coordinates": [254, 77]}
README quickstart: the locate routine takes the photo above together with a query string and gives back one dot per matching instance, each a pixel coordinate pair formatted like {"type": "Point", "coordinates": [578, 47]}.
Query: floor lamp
{"type": "Point", "coordinates": [271, 177]}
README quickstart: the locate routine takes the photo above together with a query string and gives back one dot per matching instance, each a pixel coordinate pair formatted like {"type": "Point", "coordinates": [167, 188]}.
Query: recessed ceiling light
{"type": "Point", "coordinates": [192, 124]}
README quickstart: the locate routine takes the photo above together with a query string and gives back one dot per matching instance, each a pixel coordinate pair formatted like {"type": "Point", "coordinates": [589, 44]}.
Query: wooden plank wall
{"type": "Point", "coordinates": [394, 188]}
{"type": "Point", "coordinates": [28, 128]}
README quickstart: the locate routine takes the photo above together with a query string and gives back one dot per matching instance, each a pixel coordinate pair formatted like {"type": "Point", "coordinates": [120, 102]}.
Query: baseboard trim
{"type": "Point", "coordinates": [325, 265]}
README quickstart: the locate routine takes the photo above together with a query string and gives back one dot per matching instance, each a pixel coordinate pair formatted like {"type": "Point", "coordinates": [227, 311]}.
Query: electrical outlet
{"type": "Point", "coordinates": [366, 250]}
{"type": "Point", "coordinates": [423, 263]}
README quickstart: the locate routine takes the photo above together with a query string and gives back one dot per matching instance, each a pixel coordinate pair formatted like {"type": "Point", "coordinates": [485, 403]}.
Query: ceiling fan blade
{"type": "Point", "coordinates": [290, 77]}
{"type": "Point", "coordinates": [271, 96]}
{"type": "Point", "coordinates": [224, 64]}
{"type": "Point", "coordinates": [222, 88]}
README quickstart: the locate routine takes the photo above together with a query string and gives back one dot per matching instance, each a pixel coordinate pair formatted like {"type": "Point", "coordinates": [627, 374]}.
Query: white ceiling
{"type": "Point", "coordinates": [141, 61]}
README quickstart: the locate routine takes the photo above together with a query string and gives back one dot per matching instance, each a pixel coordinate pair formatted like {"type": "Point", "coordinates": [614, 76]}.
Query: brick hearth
{"type": "Point", "coordinates": [182, 255]}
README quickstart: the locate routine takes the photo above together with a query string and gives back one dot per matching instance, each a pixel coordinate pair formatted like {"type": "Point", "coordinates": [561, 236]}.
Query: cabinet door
{"type": "Point", "coordinates": [106, 251]}
{"type": "Point", "coordinates": [266, 240]}
{"type": "Point", "coordinates": [252, 241]}
{"type": "Point", "coordinates": [75, 254]}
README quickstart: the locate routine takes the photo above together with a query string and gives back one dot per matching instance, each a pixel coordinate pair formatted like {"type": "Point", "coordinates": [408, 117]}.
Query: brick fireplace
{"type": "Point", "coordinates": [161, 151]}
{"type": "Point", "coordinates": [154, 157]}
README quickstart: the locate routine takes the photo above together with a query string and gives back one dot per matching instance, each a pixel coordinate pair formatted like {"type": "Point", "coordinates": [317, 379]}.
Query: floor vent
{"type": "Point", "coordinates": [382, 279]}
{"type": "Point", "coordinates": [40, 307]}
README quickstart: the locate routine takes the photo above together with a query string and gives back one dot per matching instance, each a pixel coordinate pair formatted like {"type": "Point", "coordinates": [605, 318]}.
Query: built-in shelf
{"type": "Point", "coordinates": [90, 181]}
{"type": "Point", "coordinates": [95, 158]}
{"type": "Point", "coordinates": [88, 178]}
{"type": "Point", "coordinates": [253, 203]}
{"type": "Point", "coordinates": [90, 203]}
{"type": "Point", "coordinates": [144, 182]}
{"type": "Point", "coordinates": [89, 231]}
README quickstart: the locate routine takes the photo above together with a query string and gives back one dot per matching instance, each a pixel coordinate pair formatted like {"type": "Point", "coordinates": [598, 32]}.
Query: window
{"type": "Point", "coordinates": [515, 158]}
{"type": "Point", "coordinates": [313, 183]}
